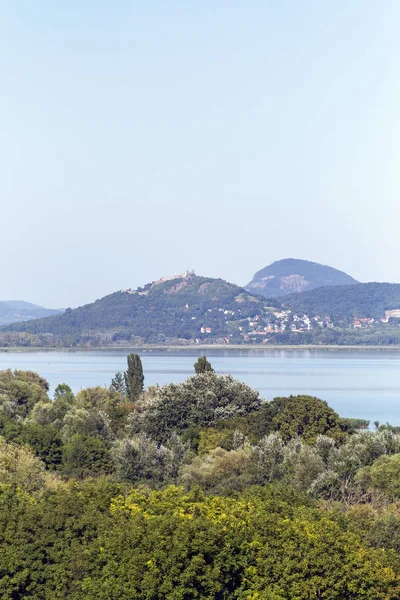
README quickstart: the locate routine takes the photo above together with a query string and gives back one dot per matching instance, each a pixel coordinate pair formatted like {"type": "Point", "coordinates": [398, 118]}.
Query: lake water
{"type": "Point", "coordinates": [363, 384]}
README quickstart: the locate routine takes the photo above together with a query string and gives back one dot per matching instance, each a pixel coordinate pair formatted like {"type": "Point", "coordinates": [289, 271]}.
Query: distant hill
{"type": "Point", "coordinates": [293, 275]}
{"type": "Point", "coordinates": [360, 300]}
{"type": "Point", "coordinates": [17, 311]}
{"type": "Point", "coordinates": [188, 309]}
{"type": "Point", "coordinates": [171, 310]}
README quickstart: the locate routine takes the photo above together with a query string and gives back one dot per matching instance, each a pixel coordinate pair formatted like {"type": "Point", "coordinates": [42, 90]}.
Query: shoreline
{"type": "Point", "coordinates": [204, 347]}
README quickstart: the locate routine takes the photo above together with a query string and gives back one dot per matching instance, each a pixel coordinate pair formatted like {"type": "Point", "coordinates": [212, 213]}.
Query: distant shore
{"type": "Point", "coordinates": [204, 347]}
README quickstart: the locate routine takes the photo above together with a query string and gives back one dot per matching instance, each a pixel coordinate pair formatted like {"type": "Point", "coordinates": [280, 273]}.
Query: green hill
{"type": "Point", "coordinates": [361, 300]}
{"type": "Point", "coordinates": [171, 310]}
{"type": "Point", "coordinates": [293, 275]}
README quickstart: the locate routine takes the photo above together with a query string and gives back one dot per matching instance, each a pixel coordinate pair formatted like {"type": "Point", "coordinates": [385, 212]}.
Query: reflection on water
{"type": "Point", "coordinates": [355, 383]}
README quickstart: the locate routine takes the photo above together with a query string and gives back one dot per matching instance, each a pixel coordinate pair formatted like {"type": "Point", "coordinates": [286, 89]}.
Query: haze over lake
{"type": "Point", "coordinates": [355, 383]}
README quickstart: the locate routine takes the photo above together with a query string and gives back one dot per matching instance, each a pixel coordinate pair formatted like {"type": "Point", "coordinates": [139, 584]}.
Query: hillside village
{"type": "Point", "coordinates": [273, 321]}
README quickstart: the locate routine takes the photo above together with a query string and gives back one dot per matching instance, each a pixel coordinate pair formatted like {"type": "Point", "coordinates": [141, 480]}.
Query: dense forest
{"type": "Point", "coordinates": [192, 490]}
{"type": "Point", "coordinates": [167, 311]}
{"type": "Point", "coordinates": [348, 301]}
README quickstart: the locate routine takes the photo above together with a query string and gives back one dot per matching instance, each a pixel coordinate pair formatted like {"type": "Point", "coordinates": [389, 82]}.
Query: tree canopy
{"type": "Point", "coordinates": [193, 490]}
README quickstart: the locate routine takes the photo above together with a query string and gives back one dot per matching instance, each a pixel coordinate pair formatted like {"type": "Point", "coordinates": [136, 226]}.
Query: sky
{"type": "Point", "coordinates": [141, 139]}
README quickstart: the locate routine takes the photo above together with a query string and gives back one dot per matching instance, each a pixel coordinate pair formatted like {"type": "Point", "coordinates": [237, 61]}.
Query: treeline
{"type": "Point", "coordinates": [381, 335]}
{"type": "Point", "coordinates": [192, 490]}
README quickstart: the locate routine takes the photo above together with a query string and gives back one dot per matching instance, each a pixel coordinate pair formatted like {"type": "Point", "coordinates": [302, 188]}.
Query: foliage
{"type": "Point", "coordinates": [352, 424]}
{"type": "Point", "coordinates": [382, 475]}
{"type": "Point", "coordinates": [20, 468]}
{"type": "Point", "coordinates": [306, 416]}
{"type": "Point", "coordinates": [92, 422]}
{"type": "Point", "coordinates": [134, 377]}
{"type": "Point", "coordinates": [86, 455]}
{"type": "Point", "coordinates": [202, 365]}
{"type": "Point", "coordinates": [219, 471]}
{"type": "Point", "coordinates": [118, 384]}
{"type": "Point", "coordinates": [199, 401]}
{"type": "Point", "coordinates": [63, 391]}
{"type": "Point", "coordinates": [141, 459]}
{"type": "Point", "coordinates": [279, 500]}
{"type": "Point", "coordinates": [22, 390]}
{"type": "Point", "coordinates": [90, 541]}
{"type": "Point", "coordinates": [97, 397]}
{"type": "Point", "coordinates": [45, 441]}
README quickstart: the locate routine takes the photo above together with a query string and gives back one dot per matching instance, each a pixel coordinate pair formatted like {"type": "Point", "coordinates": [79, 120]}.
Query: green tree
{"type": "Point", "coordinates": [23, 389]}
{"type": "Point", "coordinates": [21, 468]}
{"type": "Point", "coordinates": [118, 384]}
{"type": "Point", "coordinates": [200, 400]}
{"type": "Point", "coordinates": [96, 397]}
{"type": "Point", "coordinates": [138, 459]}
{"type": "Point", "coordinates": [64, 391]}
{"type": "Point", "coordinates": [45, 441]}
{"type": "Point", "coordinates": [308, 417]}
{"type": "Point", "coordinates": [134, 377]}
{"type": "Point", "coordinates": [203, 366]}
{"type": "Point", "coordinates": [90, 422]}
{"type": "Point", "coordinates": [86, 455]}
{"type": "Point", "coordinates": [382, 475]}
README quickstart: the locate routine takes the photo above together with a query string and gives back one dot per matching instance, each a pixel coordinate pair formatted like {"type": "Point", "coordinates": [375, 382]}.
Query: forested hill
{"type": "Point", "coordinates": [185, 307]}
{"type": "Point", "coordinates": [293, 275]}
{"type": "Point", "coordinates": [188, 309]}
{"type": "Point", "coordinates": [361, 300]}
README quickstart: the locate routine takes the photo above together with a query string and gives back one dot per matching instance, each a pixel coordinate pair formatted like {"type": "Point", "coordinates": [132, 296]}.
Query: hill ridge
{"type": "Point", "coordinates": [182, 307]}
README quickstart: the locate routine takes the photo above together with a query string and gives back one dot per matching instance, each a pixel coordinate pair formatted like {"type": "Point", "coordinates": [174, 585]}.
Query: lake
{"type": "Point", "coordinates": [363, 384]}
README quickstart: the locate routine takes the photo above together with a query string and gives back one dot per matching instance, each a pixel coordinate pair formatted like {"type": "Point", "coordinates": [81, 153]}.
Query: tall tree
{"type": "Point", "coordinates": [134, 377]}
{"type": "Point", "coordinates": [203, 366]}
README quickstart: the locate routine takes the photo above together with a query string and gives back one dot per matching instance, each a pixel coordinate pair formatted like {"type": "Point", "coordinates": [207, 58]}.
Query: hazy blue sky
{"type": "Point", "coordinates": [140, 139]}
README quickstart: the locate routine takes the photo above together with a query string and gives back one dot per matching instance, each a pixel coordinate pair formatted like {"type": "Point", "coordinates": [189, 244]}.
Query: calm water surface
{"type": "Point", "coordinates": [362, 384]}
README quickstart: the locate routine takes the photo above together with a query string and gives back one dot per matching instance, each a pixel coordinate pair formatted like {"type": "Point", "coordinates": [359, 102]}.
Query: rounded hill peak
{"type": "Point", "coordinates": [293, 275]}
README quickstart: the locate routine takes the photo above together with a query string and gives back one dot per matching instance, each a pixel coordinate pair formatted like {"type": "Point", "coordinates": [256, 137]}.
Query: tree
{"type": "Point", "coordinates": [203, 366]}
{"type": "Point", "coordinates": [138, 459]}
{"type": "Point", "coordinates": [86, 455]}
{"type": "Point", "coordinates": [64, 391]}
{"type": "Point", "coordinates": [45, 441]}
{"type": "Point", "coordinates": [382, 475]}
{"type": "Point", "coordinates": [134, 377]}
{"type": "Point", "coordinates": [87, 421]}
{"type": "Point", "coordinates": [308, 417]}
{"type": "Point", "coordinates": [97, 397]}
{"type": "Point", "coordinates": [23, 389]}
{"type": "Point", "coordinates": [201, 400]}
{"type": "Point", "coordinates": [21, 468]}
{"type": "Point", "coordinates": [219, 471]}
{"type": "Point", "coordinates": [118, 384]}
